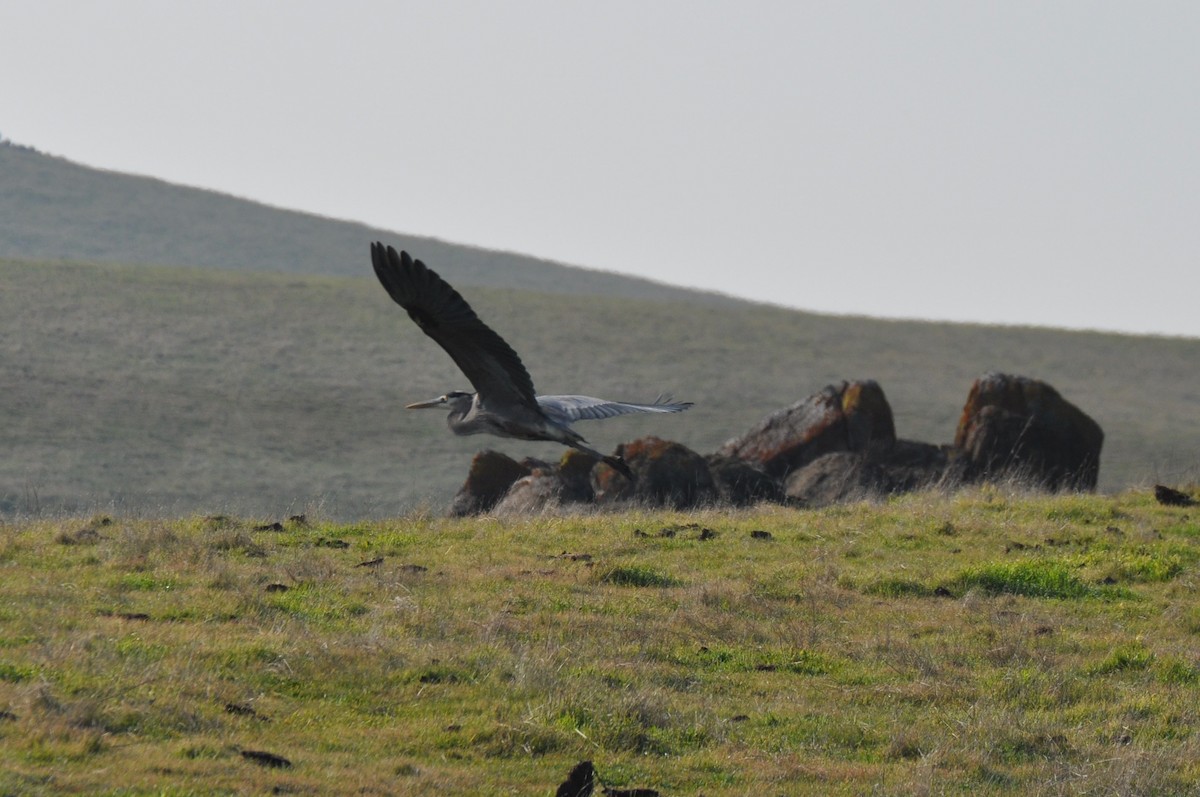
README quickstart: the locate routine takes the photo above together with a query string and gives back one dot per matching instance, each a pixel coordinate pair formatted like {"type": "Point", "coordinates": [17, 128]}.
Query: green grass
{"type": "Point", "coordinates": [267, 394]}
{"type": "Point", "coordinates": [983, 643]}
{"type": "Point", "coordinates": [1037, 579]}
{"type": "Point", "coordinates": [635, 576]}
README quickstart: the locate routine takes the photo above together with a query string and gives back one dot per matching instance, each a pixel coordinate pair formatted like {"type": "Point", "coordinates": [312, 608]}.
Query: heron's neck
{"type": "Point", "coordinates": [463, 411]}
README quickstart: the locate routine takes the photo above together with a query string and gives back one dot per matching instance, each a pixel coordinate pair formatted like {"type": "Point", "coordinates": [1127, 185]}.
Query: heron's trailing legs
{"type": "Point", "coordinates": [616, 463]}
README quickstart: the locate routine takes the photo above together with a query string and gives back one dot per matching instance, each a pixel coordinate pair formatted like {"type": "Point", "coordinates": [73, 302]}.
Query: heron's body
{"type": "Point", "coordinates": [504, 402]}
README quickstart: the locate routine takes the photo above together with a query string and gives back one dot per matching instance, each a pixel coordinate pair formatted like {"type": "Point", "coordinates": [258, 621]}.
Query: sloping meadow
{"type": "Point", "coordinates": [170, 391]}
{"type": "Point", "coordinates": [987, 642]}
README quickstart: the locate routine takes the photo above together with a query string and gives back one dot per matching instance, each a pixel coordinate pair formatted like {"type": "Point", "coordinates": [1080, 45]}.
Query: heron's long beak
{"type": "Point", "coordinates": [424, 405]}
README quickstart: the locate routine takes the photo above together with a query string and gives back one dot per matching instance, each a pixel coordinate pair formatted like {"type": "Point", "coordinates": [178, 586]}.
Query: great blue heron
{"type": "Point", "coordinates": [504, 402]}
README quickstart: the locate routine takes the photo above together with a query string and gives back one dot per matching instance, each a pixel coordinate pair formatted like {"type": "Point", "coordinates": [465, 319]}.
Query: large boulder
{"type": "Point", "coordinates": [548, 487]}
{"type": "Point", "coordinates": [841, 476]}
{"type": "Point", "coordinates": [739, 483]}
{"type": "Point", "coordinates": [489, 479]}
{"type": "Point", "coordinates": [851, 416]}
{"type": "Point", "coordinates": [832, 478]}
{"type": "Point", "coordinates": [540, 491]}
{"type": "Point", "coordinates": [910, 465]}
{"type": "Point", "coordinates": [575, 476]}
{"type": "Point", "coordinates": [1016, 427]}
{"type": "Point", "coordinates": [665, 473]}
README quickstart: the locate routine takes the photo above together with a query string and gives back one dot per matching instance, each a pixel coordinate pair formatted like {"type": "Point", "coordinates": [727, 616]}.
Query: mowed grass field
{"type": "Point", "coordinates": [988, 642]}
{"type": "Point", "coordinates": [172, 391]}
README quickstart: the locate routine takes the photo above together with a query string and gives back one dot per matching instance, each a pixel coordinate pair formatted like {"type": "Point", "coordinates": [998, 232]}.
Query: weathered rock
{"type": "Point", "coordinates": [666, 474]}
{"type": "Point", "coordinates": [835, 477]}
{"type": "Point", "coordinates": [739, 483]}
{"type": "Point", "coordinates": [851, 416]}
{"type": "Point", "coordinates": [538, 492]}
{"type": "Point", "coordinates": [490, 477]}
{"type": "Point", "coordinates": [879, 471]}
{"type": "Point", "coordinates": [837, 445]}
{"type": "Point", "coordinates": [869, 422]}
{"type": "Point", "coordinates": [1016, 427]}
{"type": "Point", "coordinates": [575, 472]}
{"type": "Point", "coordinates": [550, 486]}
{"type": "Point", "coordinates": [910, 465]}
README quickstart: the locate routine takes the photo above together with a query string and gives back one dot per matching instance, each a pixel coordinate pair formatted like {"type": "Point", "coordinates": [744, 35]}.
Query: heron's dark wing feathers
{"type": "Point", "coordinates": [586, 408]}
{"type": "Point", "coordinates": [491, 365]}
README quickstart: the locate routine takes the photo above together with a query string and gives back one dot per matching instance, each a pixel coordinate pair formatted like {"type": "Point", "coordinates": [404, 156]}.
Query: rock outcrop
{"type": "Point", "coordinates": [739, 483]}
{"type": "Point", "coordinates": [1016, 427]}
{"type": "Point", "coordinates": [842, 476]}
{"type": "Point", "coordinates": [665, 473]}
{"type": "Point", "coordinates": [547, 487]}
{"type": "Point", "coordinates": [851, 416]}
{"type": "Point", "coordinates": [489, 479]}
{"type": "Point", "coordinates": [836, 477]}
{"type": "Point", "coordinates": [837, 445]}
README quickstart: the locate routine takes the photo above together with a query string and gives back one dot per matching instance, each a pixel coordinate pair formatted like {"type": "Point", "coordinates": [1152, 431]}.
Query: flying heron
{"type": "Point", "coordinates": [504, 402]}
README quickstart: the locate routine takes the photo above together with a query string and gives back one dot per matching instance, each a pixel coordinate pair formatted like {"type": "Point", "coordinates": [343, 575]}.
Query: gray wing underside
{"type": "Point", "coordinates": [568, 409]}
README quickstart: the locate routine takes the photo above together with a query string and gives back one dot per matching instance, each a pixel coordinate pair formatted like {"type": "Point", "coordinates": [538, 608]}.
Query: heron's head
{"type": "Point", "coordinates": [455, 400]}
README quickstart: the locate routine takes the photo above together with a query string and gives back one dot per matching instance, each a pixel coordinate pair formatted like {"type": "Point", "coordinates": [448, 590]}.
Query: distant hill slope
{"type": "Point", "coordinates": [242, 357]}
{"type": "Point", "coordinates": [171, 390]}
{"type": "Point", "coordinates": [53, 209]}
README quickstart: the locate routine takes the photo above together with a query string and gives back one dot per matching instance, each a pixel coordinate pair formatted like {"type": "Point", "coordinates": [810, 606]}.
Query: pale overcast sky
{"type": "Point", "coordinates": [1012, 162]}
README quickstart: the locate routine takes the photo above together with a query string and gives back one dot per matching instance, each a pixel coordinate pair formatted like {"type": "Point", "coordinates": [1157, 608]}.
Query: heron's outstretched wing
{"type": "Point", "coordinates": [567, 409]}
{"type": "Point", "coordinates": [491, 365]}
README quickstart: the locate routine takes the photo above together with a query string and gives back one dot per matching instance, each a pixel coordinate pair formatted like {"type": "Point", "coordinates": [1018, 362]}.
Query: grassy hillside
{"type": "Point", "coordinates": [983, 644]}
{"type": "Point", "coordinates": [197, 390]}
{"type": "Point", "coordinates": [52, 209]}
